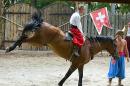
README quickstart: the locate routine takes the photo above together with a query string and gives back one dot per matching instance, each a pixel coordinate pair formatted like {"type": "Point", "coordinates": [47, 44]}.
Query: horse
{"type": "Point", "coordinates": [47, 34]}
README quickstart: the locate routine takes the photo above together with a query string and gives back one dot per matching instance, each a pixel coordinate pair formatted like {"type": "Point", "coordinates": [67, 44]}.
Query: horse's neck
{"type": "Point", "coordinates": [101, 44]}
{"type": "Point", "coordinates": [96, 47]}
{"type": "Point", "coordinates": [57, 37]}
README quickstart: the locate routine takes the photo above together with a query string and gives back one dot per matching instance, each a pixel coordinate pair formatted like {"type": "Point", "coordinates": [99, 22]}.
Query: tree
{"type": "Point", "coordinates": [36, 3]}
{"type": "Point", "coordinates": [124, 8]}
{"type": "Point", "coordinates": [1, 22]}
{"type": "Point", "coordinates": [7, 3]}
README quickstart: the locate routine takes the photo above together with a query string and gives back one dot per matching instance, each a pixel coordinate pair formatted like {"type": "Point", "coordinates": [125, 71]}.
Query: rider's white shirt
{"type": "Point", "coordinates": [75, 20]}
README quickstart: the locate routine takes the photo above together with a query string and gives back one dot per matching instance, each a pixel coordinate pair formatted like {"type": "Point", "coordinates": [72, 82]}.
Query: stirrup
{"type": "Point", "coordinates": [76, 54]}
{"type": "Point", "coordinates": [68, 36]}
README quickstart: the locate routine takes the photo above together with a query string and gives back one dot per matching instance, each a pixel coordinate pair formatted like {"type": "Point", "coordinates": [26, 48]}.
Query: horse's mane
{"type": "Point", "coordinates": [100, 38]}
{"type": "Point", "coordinates": [34, 23]}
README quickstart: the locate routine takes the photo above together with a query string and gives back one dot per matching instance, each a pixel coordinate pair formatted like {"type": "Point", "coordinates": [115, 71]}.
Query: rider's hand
{"type": "Point", "coordinates": [127, 59]}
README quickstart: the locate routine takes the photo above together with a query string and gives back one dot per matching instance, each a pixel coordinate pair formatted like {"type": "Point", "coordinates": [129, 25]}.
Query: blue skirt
{"type": "Point", "coordinates": [117, 69]}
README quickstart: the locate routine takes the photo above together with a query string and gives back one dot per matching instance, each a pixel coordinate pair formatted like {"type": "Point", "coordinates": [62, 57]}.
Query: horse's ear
{"type": "Point", "coordinates": [37, 16]}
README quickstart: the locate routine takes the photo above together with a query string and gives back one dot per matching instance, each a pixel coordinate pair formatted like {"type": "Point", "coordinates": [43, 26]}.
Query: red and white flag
{"type": "Point", "coordinates": [100, 17]}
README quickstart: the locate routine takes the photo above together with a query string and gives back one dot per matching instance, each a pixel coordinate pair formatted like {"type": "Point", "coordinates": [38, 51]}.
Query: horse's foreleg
{"type": "Point", "coordinates": [70, 71]}
{"type": "Point", "coordinates": [80, 70]}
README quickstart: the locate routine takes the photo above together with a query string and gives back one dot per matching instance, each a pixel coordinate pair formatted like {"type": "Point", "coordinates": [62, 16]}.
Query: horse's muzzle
{"type": "Point", "coordinates": [8, 49]}
{"type": "Point", "coordinates": [17, 43]}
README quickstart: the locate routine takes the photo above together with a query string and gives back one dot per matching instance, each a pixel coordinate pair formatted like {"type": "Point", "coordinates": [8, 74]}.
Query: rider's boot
{"type": "Point", "coordinates": [76, 50]}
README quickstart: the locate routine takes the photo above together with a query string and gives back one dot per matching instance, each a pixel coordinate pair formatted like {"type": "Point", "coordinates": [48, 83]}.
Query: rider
{"type": "Point", "coordinates": [76, 30]}
{"type": "Point", "coordinates": [117, 67]}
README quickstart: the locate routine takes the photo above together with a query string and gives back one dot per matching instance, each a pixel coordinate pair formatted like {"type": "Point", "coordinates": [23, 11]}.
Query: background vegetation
{"type": "Point", "coordinates": [122, 8]}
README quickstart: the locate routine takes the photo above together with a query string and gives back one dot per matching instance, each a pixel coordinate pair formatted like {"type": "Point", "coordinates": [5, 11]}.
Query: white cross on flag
{"type": "Point", "coordinates": [100, 17]}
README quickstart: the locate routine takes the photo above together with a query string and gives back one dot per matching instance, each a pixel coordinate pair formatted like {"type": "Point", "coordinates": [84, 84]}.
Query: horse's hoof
{"type": "Point", "coordinates": [121, 85]}
{"type": "Point", "coordinates": [59, 84]}
{"type": "Point", "coordinates": [7, 50]}
{"type": "Point", "coordinates": [80, 84]}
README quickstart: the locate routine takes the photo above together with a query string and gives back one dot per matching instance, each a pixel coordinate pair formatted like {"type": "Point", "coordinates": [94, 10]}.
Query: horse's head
{"type": "Point", "coordinates": [34, 24]}
{"type": "Point", "coordinates": [113, 51]}
{"type": "Point", "coordinates": [109, 44]}
{"type": "Point", "coordinates": [40, 32]}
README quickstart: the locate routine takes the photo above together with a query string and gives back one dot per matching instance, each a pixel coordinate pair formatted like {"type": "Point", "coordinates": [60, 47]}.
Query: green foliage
{"type": "Point", "coordinates": [26, 1]}
{"type": "Point", "coordinates": [35, 3]}
{"type": "Point", "coordinates": [8, 3]}
{"type": "Point", "coordinates": [42, 3]}
{"type": "Point", "coordinates": [124, 8]}
{"type": "Point", "coordinates": [94, 6]}
{"type": "Point", "coordinates": [101, 5]}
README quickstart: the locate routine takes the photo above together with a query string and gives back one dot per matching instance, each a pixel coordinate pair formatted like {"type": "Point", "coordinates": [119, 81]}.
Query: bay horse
{"type": "Point", "coordinates": [47, 34]}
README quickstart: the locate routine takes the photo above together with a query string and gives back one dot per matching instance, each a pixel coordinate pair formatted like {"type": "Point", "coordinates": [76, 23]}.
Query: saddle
{"type": "Point", "coordinates": [68, 36]}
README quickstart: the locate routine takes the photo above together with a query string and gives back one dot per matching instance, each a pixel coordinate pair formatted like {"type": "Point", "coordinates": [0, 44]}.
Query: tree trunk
{"type": "Point", "coordinates": [1, 23]}
{"type": "Point", "coordinates": [34, 2]}
{"type": "Point", "coordinates": [113, 10]}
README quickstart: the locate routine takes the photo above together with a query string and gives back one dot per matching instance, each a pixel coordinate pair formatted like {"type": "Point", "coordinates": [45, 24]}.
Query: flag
{"type": "Point", "coordinates": [100, 17]}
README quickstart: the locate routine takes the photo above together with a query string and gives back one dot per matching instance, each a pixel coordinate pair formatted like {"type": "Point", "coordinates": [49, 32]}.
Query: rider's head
{"type": "Point", "coordinates": [81, 9]}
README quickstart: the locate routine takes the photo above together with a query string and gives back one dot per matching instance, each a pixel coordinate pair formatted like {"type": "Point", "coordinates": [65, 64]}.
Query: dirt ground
{"type": "Point", "coordinates": [38, 68]}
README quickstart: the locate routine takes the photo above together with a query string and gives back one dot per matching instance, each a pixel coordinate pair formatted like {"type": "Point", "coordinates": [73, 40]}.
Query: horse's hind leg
{"type": "Point", "coordinates": [70, 71]}
{"type": "Point", "coordinates": [80, 70]}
